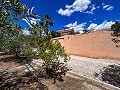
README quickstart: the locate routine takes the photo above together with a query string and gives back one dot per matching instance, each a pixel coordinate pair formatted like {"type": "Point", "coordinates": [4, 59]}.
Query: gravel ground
{"type": "Point", "coordinates": [85, 66]}
{"type": "Point", "coordinates": [82, 66]}
{"type": "Point", "coordinates": [89, 66]}
{"type": "Point", "coordinates": [70, 83]}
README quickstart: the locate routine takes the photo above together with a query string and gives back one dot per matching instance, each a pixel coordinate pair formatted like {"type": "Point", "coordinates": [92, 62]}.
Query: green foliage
{"type": "Point", "coordinates": [55, 34]}
{"type": "Point", "coordinates": [11, 38]}
{"type": "Point", "coordinates": [56, 70]}
{"type": "Point", "coordinates": [42, 46]}
{"type": "Point", "coordinates": [85, 31]}
{"type": "Point", "coordinates": [38, 44]}
{"type": "Point", "coordinates": [13, 9]}
{"type": "Point", "coordinates": [116, 29]}
{"type": "Point", "coordinates": [47, 20]}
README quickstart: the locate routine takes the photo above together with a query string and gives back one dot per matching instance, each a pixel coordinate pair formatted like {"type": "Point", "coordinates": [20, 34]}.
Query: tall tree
{"type": "Point", "coordinates": [49, 51]}
{"type": "Point", "coordinates": [47, 20]}
{"type": "Point", "coordinates": [11, 39]}
{"type": "Point", "coordinates": [38, 43]}
{"type": "Point", "coordinates": [11, 36]}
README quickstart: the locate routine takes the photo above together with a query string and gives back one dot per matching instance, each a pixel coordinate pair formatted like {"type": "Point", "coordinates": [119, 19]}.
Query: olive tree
{"type": "Point", "coordinates": [42, 46]}
{"type": "Point", "coordinates": [38, 44]}
{"type": "Point", "coordinates": [12, 40]}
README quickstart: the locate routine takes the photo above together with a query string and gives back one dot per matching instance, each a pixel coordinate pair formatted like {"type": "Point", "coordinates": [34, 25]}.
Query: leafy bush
{"type": "Point", "coordinates": [115, 28]}
{"type": "Point", "coordinates": [43, 47]}
{"type": "Point", "coordinates": [56, 70]}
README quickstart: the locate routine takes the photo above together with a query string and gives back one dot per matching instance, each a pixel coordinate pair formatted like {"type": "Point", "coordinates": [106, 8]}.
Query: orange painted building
{"type": "Point", "coordinates": [96, 44]}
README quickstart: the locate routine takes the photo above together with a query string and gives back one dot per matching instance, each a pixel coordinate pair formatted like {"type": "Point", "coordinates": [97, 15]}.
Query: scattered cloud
{"type": "Point", "coordinates": [92, 20]}
{"type": "Point", "coordinates": [66, 12]}
{"type": "Point", "coordinates": [26, 32]}
{"type": "Point", "coordinates": [26, 21]}
{"type": "Point", "coordinates": [98, 6]}
{"type": "Point", "coordinates": [104, 25]}
{"type": "Point", "coordinates": [104, 7]}
{"type": "Point", "coordinates": [110, 8]}
{"type": "Point", "coordinates": [34, 21]}
{"type": "Point", "coordinates": [103, 4]}
{"type": "Point", "coordinates": [92, 26]}
{"type": "Point", "coordinates": [77, 27]}
{"type": "Point", "coordinates": [31, 21]}
{"type": "Point", "coordinates": [107, 7]}
{"type": "Point", "coordinates": [92, 9]}
{"type": "Point", "coordinates": [78, 5]}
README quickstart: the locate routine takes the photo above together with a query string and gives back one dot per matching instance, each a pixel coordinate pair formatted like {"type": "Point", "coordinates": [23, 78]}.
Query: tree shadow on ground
{"type": "Point", "coordinates": [111, 74]}
{"type": "Point", "coordinates": [19, 81]}
{"type": "Point", "coordinates": [8, 58]}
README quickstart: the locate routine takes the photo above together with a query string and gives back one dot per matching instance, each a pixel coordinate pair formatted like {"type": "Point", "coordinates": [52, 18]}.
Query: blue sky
{"type": "Point", "coordinates": [77, 14]}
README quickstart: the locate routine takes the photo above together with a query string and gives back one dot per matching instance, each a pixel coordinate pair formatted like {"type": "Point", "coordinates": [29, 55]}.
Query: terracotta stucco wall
{"type": "Point", "coordinates": [95, 44]}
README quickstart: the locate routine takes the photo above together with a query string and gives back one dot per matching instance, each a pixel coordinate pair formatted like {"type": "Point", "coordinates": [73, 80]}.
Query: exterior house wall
{"type": "Point", "coordinates": [95, 44]}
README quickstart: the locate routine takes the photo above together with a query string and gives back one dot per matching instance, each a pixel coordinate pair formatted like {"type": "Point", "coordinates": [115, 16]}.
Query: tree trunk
{"type": "Point", "coordinates": [17, 55]}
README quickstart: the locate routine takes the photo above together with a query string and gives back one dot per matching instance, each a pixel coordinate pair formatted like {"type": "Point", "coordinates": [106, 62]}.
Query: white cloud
{"type": "Point", "coordinates": [98, 6]}
{"type": "Point", "coordinates": [103, 4]}
{"type": "Point", "coordinates": [92, 26]}
{"type": "Point", "coordinates": [26, 21]}
{"type": "Point", "coordinates": [90, 21]}
{"type": "Point", "coordinates": [78, 5]}
{"type": "Point", "coordinates": [34, 21]}
{"type": "Point", "coordinates": [26, 32]}
{"type": "Point", "coordinates": [104, 25]}
{"type": "Point", "coordinates": [77, 27]}
{"type": "Point", "coordinates": [31, 21]}
{"type": "Point", "coordinates": [91, 11]}
{"type": "Point", "coordinates": [66, 12]}
{"type": "Point", "coordinates": [104, 7]}
{"type": "Point", "coordinates": [108, 7]}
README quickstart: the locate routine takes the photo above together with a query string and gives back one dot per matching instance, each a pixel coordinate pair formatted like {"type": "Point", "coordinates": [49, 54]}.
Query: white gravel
{"type": "Point", "coordinates": [88, 66]}
{"type": "Point", "coordinates": [84, 66]}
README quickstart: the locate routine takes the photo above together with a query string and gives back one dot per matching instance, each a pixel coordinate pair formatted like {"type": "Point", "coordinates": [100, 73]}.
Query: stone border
{"type": "Point", "coordinates": [93, 82]}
